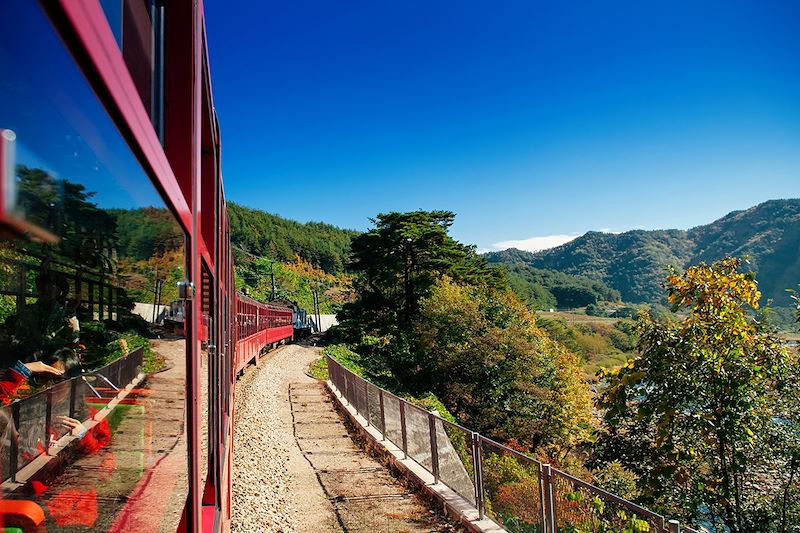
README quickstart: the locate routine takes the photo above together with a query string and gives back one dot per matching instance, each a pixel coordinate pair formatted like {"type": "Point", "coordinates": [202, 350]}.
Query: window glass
{"type": "Point", "coordinates": [206, 338]}
{"type": "Point", "coordinates": [89, 262]}
{"type": "Point", "coordinates": [137, 28]}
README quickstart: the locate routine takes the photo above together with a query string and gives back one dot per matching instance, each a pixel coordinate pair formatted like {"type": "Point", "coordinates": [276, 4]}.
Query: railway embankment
{"type": "Point", "coordinates": [295, 466]}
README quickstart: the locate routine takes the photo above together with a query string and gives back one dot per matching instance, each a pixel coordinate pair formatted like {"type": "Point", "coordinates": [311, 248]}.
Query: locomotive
{"type": "Point", "coordinates": [106, 107]}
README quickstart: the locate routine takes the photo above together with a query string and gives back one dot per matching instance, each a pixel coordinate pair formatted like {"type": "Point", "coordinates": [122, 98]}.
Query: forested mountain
{"type": "Point", "coordinates": [767, 234]}
{"type": "Point", "coordinates": [305, 256]}
{"type": "Point", "coordinates": [148, 230]}
{"type": "Point", "coordinates": [144, 232]}
{"type": "Point", "coordinates": [263, 234]}
{"type": "Point", "coordinates": [545, 289]}
{"type": "Point", "coordinates": [634, 262]}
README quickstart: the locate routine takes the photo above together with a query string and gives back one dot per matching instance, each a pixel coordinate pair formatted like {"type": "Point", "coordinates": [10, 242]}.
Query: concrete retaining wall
{"type": "Point", "coordinates": [146, 311]}
{"type": "Point", "coordinates": [325, 323]}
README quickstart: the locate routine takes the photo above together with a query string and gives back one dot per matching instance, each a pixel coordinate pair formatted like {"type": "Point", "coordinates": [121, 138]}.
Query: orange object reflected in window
{"type": "Point", "coordinates": [74, 508]}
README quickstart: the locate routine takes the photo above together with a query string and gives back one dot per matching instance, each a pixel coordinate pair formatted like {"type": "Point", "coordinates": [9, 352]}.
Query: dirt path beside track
{"type": "Point", "coordinates": [296, 468]}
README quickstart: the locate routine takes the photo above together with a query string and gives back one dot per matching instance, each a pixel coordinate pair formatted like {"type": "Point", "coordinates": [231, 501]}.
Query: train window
{"type": "Point", "coordinates": [98, 443]}
{"type": "Point", "coordinates": [207, 338]}
{"type": "Point", "coordinates": [138, 27]}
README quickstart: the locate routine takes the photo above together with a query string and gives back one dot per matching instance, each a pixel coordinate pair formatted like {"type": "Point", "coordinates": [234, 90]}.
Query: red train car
{"type": "Point", "coordinates": [259, 326]}
{"type": "Point", "coordinates": [106, 107]}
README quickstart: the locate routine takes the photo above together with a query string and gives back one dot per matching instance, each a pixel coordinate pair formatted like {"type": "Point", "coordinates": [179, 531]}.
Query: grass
{"type": "Point", "coordinates": [601, 342]}
{"type": "Point", "coordinates": [573, 317]}
{"type": "Point", "coordinates": [346, 357]}
{"type": "Point", "coordinates": [151, 361]}
{"type": "Point", "coordinates": [319, 369]}
{"type": "Point", "coordinates": [609, 361]}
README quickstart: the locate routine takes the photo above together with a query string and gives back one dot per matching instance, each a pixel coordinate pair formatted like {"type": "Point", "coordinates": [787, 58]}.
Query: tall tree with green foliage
{"type": "Point", "coordinates": [85, 233]}
{"type": "Point", "coordinates": [707, 415]}
{"type": "Point", "coordinates": [495, 370]}
{"type": "Point", "coordinates": [401, 258]}
{"type": "Point", "coordinates": [396, 264]}
{"type": "Point", "coordinates": [431, 315]}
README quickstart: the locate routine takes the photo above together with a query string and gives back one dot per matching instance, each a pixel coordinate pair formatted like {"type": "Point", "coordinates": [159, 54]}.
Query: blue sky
{"type": "Point", "coordinates": [527, 119]}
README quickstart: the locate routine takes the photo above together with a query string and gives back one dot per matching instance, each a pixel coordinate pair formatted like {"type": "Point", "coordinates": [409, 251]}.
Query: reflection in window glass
{"type": "Point", "coordinates": [89, 264]}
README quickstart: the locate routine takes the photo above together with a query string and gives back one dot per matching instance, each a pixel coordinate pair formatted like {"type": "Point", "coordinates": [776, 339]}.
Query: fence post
{"type": "Point", "coordinates": [346, 388]}
{"type": "Point", "coordinates": [434, 447]}
{"type": "Point", "coordinates": [548, 503]}
{"type": "Point", "coordinates": [403, 435]}
{"type": "Point", "coordinates": [48, 421]}
{"type": "Point", "coordinates": [477, 467]}
{"type": "Point", "coordinates": [383, 414]}
{"type": "Point", "coordinates": [13, 455]}
{"type": "Point", "coordinates": [366, 402]}
{"type": "Point", "coordinates": [542, 498]}
{"type": "Point", "coordinates": [674, 526]}
{"type": "Point", "coordinates": [73, 396]}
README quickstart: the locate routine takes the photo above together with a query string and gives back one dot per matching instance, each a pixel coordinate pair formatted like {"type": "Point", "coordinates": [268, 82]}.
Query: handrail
{"type": "Point", "coordinates": [351, 387]}
{"type": "Point", "coordinates": [125, 368]}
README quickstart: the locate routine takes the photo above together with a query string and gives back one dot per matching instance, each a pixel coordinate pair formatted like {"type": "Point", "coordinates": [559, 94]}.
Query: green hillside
{"type": "Point", "coordinates": [303, 257]}
{"type": "Point", "coordinates": [263, 234]}
{"type": "Point", "coordinates": [544, 289]}
{"type": "Point", "coordinates": [634, 262]}
{"type": "Point", "coordinates": [767, 234]}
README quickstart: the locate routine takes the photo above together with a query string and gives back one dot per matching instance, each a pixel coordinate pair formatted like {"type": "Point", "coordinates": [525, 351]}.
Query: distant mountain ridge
{"type": "Point", "coordinates": [634, 262]}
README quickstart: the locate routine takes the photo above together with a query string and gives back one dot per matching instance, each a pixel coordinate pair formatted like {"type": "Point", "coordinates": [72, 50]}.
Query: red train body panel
{"type": "Point", "coordinates": [259, 326]}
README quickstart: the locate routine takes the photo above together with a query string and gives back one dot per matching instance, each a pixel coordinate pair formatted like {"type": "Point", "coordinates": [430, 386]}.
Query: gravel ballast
{"type": "Point", "coordinates": [296, 467]}
{"type": "Point", "coordinates": [268, 469]}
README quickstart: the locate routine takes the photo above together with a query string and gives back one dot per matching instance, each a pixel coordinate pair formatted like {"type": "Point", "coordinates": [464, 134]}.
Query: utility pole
{"type": "Point", "coordinates": [272, 274]}
{"type": "Point", "coordinates": [155, 292]}
{"type": "Point", "coordinates": [314, 298]}
{"type": "Point", "coordinates": [159, 290]}
{"type": "Point", "coordinates": [316, 309]}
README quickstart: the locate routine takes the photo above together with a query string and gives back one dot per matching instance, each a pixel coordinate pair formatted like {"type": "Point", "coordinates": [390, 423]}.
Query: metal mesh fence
{"type": "Point", "coordinates": [391, 410]}
{"type": "Point", "coordinates": [515, 490]}
{"type": "Point", "coordinates": [80, 391]}
{"type": "Point", "coordinates": [26, 427]}
{"type": "Point", "coordinates": [419, 436]}
{"type": "Point", "coordinates": [374, 406]}
{"type": "Point", "coordinates": [59, 408]}
{"type": "Point", "coordinates": [579, 506]}
{"type": "Point", "coordinates": [31, 428]}
{"type": "Point", "coordinates": [456, 465]}
{"type": "Point", "coordinates": [512, 487]}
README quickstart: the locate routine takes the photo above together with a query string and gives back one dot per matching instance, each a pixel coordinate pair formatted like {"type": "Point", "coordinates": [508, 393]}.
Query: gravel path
{"type": "Point", "coordinates": [296, 469]}
{"type": "Point", "coordinates": [267, 466]}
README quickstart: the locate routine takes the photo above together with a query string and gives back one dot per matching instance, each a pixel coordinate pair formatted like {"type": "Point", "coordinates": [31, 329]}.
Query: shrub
{"type": "Point", "coordinates": [319, 369]}
{"type": "Point", "coordinates": [345, 357]}
{"type": "Point", "coordinates": [617, 479]}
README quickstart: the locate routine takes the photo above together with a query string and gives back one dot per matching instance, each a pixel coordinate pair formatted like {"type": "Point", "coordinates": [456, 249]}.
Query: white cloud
{"type": "Point", "coordinates": [535, 244]}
